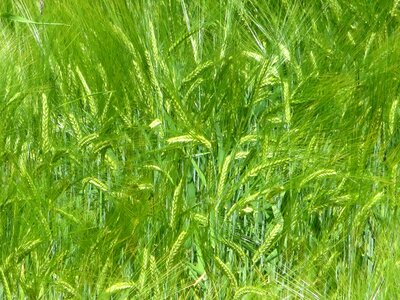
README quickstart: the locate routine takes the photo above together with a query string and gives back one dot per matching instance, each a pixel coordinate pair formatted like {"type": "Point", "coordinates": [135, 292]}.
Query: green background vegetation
{"type": "Point", "coordinates": [206, 149]}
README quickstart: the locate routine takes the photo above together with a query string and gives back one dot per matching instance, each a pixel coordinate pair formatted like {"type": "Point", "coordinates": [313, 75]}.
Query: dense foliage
{"type": "Point", "coordinates": [203, 149]}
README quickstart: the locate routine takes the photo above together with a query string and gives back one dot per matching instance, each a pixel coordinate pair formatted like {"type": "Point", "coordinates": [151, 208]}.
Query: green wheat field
{"type": "Point", "coordinates": [208, 149]}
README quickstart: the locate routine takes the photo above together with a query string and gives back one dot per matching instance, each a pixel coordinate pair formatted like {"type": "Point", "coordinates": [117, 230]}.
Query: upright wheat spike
{"type": "Point", "coordinates": [152, 75]}
{"type": "Point", "coordinates": [180, 111]}
{"type": "Point", "coordinates": [45, 124]}
{"type": "Point", "coordinates": [153, 42]}
{"type": "Point", "coordinates": [392, 116]}
{"type": "Point", "coordinates": [222, 179]}
{"type": "Point", "coordinates": [175, 249]}
{"type": "Point", "coordinates": [286, 99]}
{"type": "Point", "coordinates": [25, 175]}
{"type": "Point", "coordinates": [155, 277]}
{"type": "Point", "coordinates": [143, 271]}
{"type": "Point", "coordinates": [175, 204]}
{"type": "Point", "coordinates": [75, 126]}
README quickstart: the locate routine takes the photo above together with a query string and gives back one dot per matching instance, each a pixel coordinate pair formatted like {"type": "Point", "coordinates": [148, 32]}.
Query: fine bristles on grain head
{"type": "Point", "coordinates": [199, 149]}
